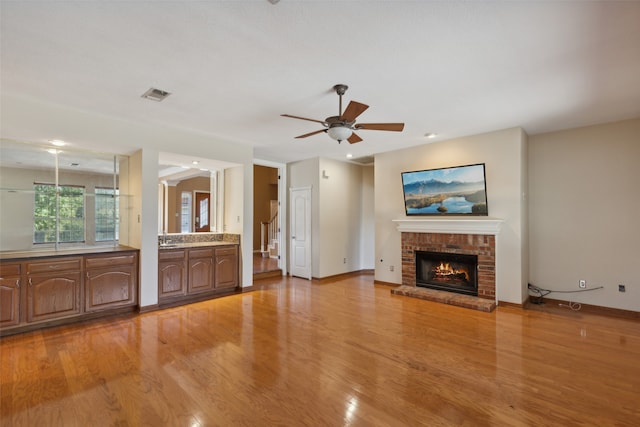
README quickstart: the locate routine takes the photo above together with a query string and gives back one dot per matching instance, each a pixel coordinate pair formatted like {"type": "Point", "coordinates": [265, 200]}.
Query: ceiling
{"type": "Point", "coordinates": [454, 68]}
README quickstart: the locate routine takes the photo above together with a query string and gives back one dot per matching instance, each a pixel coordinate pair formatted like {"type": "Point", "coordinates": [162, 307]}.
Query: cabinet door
{"type": "Point", "coordinates": [226, 270]}
{"type": "Point", "coordinates": [200, 262]}
{"type": "Point", "coordinates": [9, 295]}
{"type": "Point", "coordinates": [111, 288]}
{"type": "Point", "coordinates": [200, 275]}
{"type": "Point", "coordinates": [53, 295]}
{"type": "Point", "coordinates": [111, 281]}
{"type": "Point", "coordinates": [172, 273]}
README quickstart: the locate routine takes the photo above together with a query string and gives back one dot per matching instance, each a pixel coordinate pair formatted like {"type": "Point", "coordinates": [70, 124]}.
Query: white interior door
{"type": "Point", "coordinates": [300, 199]}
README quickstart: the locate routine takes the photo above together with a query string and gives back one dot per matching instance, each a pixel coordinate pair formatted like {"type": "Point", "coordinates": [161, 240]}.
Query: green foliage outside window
{"type": "Point", "coordinates": [70, 213]}
{"type": "Point", "coordinates": [107, 218]}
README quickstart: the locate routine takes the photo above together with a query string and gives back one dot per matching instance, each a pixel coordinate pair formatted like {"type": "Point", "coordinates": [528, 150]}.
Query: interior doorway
{"type": "Point", "coordinates": [202, 211]}
{"type": "Point", "coordinates": [300, 217]}
{"type": "Point", "coordinates": [268, 252]}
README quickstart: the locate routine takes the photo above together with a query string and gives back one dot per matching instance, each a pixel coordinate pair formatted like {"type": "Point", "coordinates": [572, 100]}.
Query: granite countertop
{"type": "Point", "coordinates": [50, 252]}
{"type": "Point", "coordinates": [185, 245]}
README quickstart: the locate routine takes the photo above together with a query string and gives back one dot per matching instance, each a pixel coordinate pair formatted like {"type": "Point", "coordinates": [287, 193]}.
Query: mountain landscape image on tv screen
{"type": "Point", "coordinates": [459, 190]}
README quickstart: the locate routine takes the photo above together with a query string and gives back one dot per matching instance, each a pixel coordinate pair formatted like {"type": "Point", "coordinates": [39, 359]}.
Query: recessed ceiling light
{"type": "Point", "coordinates": [57, 142]}
{"type": "Point", "coordinates": [430, 135]}
{"type": "Point", "coordinates": [155, 94]}
{"type": "Point", "coordinates": [53, 151]}
{"type": "Point", "coordinates": [349, 156]}
{"type": "Point", "coordinates": [195, 162]}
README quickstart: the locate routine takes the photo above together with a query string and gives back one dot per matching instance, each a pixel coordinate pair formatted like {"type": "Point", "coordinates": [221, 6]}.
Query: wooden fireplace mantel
{"type": "Point", "coordinates": [455, 225]}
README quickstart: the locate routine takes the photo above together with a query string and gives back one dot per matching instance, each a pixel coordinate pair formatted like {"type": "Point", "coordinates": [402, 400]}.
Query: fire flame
{"type": "Point", "coordinates": [445, 269]}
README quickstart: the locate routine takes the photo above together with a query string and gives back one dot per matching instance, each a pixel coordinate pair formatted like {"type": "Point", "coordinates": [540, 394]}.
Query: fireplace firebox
{"type": "Point", "coordinates": [447, 272]}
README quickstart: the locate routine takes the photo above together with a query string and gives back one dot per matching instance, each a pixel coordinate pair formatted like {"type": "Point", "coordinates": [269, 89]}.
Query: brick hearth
{"type": "Point", "coordinates": [483, 245]}
{"type": "Point", "coordinates": [444, 297]}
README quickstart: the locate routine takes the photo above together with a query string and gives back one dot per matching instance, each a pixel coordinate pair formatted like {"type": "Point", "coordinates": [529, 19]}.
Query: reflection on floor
{"type": "Point", "coordinates": [264, 267]}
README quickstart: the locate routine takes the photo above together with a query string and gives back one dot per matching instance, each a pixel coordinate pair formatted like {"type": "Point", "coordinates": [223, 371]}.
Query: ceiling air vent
{"type": "Point", "coordinates": [155, 94]}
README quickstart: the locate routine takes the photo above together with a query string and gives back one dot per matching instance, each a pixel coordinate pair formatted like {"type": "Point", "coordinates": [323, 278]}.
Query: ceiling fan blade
{"type": "Point", "coordinates": [303, 118]}
{"type": "Point", "coordinates": [395, 127]}
{"type": "Point", "coordinates": [311, 133]}
{"type": "Point", "coordinates": [354, 109]}
{"type": "Point", "coordinates": [354, 138]}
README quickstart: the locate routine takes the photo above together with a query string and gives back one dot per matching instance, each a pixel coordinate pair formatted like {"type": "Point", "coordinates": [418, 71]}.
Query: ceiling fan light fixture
{"type": "Point", "coordinates": [339, 133]}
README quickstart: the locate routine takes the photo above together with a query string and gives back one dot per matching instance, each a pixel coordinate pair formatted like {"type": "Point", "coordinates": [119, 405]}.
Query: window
{"type": "Point", "coordinates": [185, 215]}
{"type": "Point", "coordinates": [107, 214]}
{"type": "Point", "coordinates": [70, 207]}
{"type": "Point", "coordinates": [204, 212]}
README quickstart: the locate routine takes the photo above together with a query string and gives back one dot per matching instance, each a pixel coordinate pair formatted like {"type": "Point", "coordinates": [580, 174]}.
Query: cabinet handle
{"type": "Point", "coordinates": [17, 283]}
{"type": "Point", "coordinates": [30, 282]}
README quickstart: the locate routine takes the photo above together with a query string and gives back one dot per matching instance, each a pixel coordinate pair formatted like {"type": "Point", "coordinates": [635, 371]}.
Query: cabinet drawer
{"type": "Point", "coordinates": [108, 261]}
{"type": "Point", "coordinates": [200, 253]}
{"type": "Point", "coordinates": [226, 250]}
{"type": "Point", "coordinates": [67, 264]}
{"type": "Point", "coordinates": [165, 255]}
{"type": "Point", "coordinates": [9, 270]}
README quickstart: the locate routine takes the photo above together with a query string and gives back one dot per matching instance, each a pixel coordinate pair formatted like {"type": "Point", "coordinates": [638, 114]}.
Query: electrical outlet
{"type": "Point", "coordinates": [622, 288]}
{"type": "Point", "coordinates": [391, 268]}
{"type": "Point", "coordinates": [582, 283]}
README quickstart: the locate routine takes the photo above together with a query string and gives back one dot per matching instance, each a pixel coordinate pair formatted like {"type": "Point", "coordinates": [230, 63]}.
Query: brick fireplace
{"type": "Point", "coordinates": [464, 236]}
{"type": "Point", "coordinates": [484, 246]}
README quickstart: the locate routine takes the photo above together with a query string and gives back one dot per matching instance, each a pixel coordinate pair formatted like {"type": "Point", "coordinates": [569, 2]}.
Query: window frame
{"type": "Point", "coordinates": [56, 218]}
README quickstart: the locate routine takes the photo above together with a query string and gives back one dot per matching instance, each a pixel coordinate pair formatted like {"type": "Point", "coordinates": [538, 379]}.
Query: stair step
{"type": "Point", "coordinates": [267, 274]}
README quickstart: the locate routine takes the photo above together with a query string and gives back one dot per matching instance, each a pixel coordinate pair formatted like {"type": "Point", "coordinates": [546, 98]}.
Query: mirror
{"type": "Point", "coordinates": [190, 194]}
{"type": "Point", "coordinates": [58, 196]}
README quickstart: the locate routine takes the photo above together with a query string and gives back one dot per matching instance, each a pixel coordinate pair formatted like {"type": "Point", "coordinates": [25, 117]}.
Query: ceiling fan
{"type": "Point", "coordinates": [342, 126]}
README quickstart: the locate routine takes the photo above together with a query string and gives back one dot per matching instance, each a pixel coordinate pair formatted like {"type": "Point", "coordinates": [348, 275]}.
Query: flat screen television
{"type": "Point", "coordinates": [458, 190]}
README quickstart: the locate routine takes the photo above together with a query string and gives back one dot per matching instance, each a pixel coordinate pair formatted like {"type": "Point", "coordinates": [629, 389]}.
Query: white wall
{"type": "Point", "coordinates": [367, 221]}
{"type": "Point", "coordinates": [584, 207]}
{"type": "Point", "coordinates": [238, 182]}
{"type": "Point", "coordinates": [336, 214]}
{"type": "Point", "coordinates": [233, 191]}
{"type": "Point", "coordinates": [503, 153]}
{"type": "Point", "coordinates": [340, 214]}
{"type": "Point", "coordinates": [146, 220]}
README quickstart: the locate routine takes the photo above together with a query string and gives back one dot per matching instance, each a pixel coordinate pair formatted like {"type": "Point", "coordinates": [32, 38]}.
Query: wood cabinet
{"type": "Point", "coordinates": [10, 294]}
{"type": "Point", "coordinates": [54, 287]}
{"type": "Point", "coordinates": [59, 289]}
{"type": "Point", "coordinates": [226, 268]}
{"type": "Point", "coordinates": [110, 281]}
{"type": "Point", "coordinates": [172, 273]}
{"type": "Point", "coordinates": [200, 270]}
{"type": "Point", "coordinates": [195, 273]}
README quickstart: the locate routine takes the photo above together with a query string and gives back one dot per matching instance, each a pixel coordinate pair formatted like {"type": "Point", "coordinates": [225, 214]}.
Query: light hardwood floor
{"type": "Point", "coordinates": [298, 353]}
